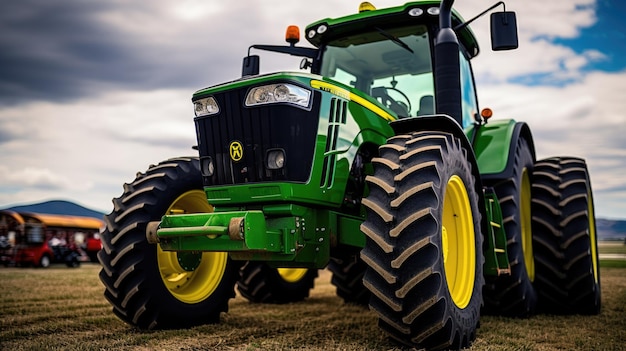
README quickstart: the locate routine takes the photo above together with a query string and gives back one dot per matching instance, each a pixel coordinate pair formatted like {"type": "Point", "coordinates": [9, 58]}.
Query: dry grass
{"type": "Point", "coordinates": [612, 247]}
{"type": "Point", "coordinates": [63, 309]}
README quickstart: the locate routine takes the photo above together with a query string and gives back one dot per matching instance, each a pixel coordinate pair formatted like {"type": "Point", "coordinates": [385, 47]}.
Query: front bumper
{"type": "Point", "coordinates": [293, 235]}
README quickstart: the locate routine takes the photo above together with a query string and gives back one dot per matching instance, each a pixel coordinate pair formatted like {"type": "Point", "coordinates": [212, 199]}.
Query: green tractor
{"type": "Point", "coordinates": [372, 161]}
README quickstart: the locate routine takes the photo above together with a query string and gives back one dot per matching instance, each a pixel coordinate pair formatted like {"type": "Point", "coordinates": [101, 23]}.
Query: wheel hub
{"type": "Point", "coordinates": [191, 277]}
{"type": "Point", "coordinates": [189, 261]}
{"type": "Point", "coordinates": [526, 223]}
{"type": "Point", "coordinates": [292, 275]}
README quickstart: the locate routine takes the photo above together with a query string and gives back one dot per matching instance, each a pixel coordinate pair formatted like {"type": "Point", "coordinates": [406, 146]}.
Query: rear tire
{"type": "Point", "coordinates": [514, 295]}
{"type": "Point", "coordinates": [424, 241]}
{"type": "Point", "coordinates": [147, 286]}
{"type": "Point", "coordinates": [348, 279]}
{"type": "Point", "coordinates": [263, 284]}
{"type": "Point", "coordinates": [564, 236]}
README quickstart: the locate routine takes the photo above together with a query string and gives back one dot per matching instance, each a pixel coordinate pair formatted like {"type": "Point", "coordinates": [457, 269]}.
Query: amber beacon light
{"type": "Point", "coordinates": [292, 36]}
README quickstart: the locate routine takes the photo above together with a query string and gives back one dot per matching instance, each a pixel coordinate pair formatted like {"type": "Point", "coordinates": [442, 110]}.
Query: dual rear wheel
{"type": "Point", "coordinates": [423, 253]}
{"type": "Point", "coordinates": [549, 221]}
{"type": "Point", "coordinates": [514, 294]}
{"type": "Point", "coordinates": [564, 237]}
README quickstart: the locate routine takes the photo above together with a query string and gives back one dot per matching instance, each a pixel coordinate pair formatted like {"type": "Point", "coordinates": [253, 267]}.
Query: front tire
{"type": "Point", "coordinates": [564, 233]}
{"type": "Point", "coordinates": [148, 287]}
{"type": "Point", "coordinates": [263, 284]}
{"type": "Point", "coordinates": [424, 241]}
{"type": "Point", "coordinates": [45, 261]}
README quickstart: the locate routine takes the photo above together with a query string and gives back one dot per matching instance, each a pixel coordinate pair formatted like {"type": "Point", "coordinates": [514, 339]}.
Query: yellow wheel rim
{"type": "Point", "coordinates": [458, 240]}
{"type": "Point", "coordinates": [592, 236]}
{"type": "Point", "coordinates": [193, 284]}
{"type": "Point", "coordinates": [526, 224]}
{"type": "Point", "coordinates": [292, 275]}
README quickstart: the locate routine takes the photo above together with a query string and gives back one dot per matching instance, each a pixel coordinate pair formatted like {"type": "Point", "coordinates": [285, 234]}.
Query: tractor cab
{"type": "Point", "coordinates": [389, 55]}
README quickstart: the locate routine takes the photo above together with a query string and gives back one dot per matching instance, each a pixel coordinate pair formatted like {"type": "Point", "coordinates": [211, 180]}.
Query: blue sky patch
{"type": "Point", "coordinates": [607, 35]}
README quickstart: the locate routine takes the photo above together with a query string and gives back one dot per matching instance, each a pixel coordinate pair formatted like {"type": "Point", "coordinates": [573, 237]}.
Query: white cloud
{"type": "Point", "coordinates": [554, 19]}
{"type": "Point", "coordinates": [576, 112]}
{"type": "Point", "coordinates": [193, 10]}
{"type": "Point", "coordinates": [585, 120]}
{"type": "Point", "coordinates": [40, 178]}
{"type": "Point", "coordinates": [539, 23]}
{"type": "Point", "coordinates": [88, 149]}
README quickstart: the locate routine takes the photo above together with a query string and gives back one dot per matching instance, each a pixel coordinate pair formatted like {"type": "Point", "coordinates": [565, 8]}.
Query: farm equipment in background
{"type": "Point", "coordinates": [34, 250]}
{"type": "Point", "coordinates": [39, 240]}
{"type": "Point", "coordinates": [6, 252]}
{"type": "Point", "coordinates": [378, 165]}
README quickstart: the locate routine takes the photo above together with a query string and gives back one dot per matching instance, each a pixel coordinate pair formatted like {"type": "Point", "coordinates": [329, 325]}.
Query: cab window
{"type": "Point", "coordinates": [392, 65]}
{"type": "Point", "coordinates": [469, 103]}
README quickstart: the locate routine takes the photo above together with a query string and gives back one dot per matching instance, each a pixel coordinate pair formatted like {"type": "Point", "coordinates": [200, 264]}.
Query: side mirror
{"type": "Point", "coordinates": [503, 31]}
{"type": "Point", "coordinates": [250, 66]}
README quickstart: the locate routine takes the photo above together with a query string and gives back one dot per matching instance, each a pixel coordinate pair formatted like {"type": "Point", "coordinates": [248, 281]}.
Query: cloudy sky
{"type": "Point", "coordinates": [92, 92]}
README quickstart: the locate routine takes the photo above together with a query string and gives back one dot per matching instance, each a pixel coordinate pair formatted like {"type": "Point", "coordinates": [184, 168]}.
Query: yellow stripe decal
{"type": "Point", "coordinates": [343, 93]}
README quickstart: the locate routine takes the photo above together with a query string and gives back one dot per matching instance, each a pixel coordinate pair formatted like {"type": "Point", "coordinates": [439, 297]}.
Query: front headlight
{"type": "Point", "coordinates": [206, 166]}
{"type": "Point", "coordinates": [275, 159]}
{"type": "Point", "coordinates": [278, 93]}
{"type": "Point", "coordinates": [205, 107]}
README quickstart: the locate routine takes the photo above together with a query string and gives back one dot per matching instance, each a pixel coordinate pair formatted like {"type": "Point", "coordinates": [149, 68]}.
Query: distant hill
{"type": "Point", "coordinates": [58, 207]}
{"type": "Point", "coordinates": [611, 229]}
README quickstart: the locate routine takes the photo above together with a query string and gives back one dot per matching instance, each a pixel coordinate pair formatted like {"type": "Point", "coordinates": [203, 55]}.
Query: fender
{"type": "Point", "coordinates": [441, 123]}
{"type": "Point", "coordinates": [494, 147]}
{"type": "Point", "coordinates": [445, 123]}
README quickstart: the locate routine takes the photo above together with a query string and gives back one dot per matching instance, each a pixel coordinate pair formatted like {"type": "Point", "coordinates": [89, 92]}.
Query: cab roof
{"type": "Point", "coordinates": [417, 12]}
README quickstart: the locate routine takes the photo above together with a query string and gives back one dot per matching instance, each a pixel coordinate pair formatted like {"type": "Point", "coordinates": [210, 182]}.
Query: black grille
{"type": "Point", "coordinates": [258, 129]}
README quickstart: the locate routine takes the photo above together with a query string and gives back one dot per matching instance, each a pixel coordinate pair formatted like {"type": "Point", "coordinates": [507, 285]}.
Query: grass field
{"type": "Point", "coordinates": [614, 253]}
{"type": "Point", "coordinates": [612, 247]}
{"type": "Point", "coordinates": [63, 309]}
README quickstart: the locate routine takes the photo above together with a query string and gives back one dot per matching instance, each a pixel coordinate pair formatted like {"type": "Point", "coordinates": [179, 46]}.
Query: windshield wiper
{"type": "Point", "coordinates": [394, 39]}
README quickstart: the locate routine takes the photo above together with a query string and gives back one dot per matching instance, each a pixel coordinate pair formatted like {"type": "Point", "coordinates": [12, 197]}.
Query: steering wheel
{"type": "Point", "coordinates": [399, 107]}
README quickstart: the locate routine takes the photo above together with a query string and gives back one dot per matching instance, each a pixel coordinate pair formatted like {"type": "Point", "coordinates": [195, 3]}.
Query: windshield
{"type": "Point", "coordinates": [392, 65]}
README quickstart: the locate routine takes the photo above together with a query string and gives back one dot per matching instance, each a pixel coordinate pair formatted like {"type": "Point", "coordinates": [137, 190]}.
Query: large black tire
{"type": "Point", "coordinates": [564, 237]}
{"type": "Point", "coordinates": [424, 241]}
{"type": "Point", "coordinates": [348, 279]}
{"type": "Point", "coordinates": [514, 295]}
{"type": "Point", "coordinates": [263, 284]}
{"type": "Point", "coordinates": [147, 286]}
